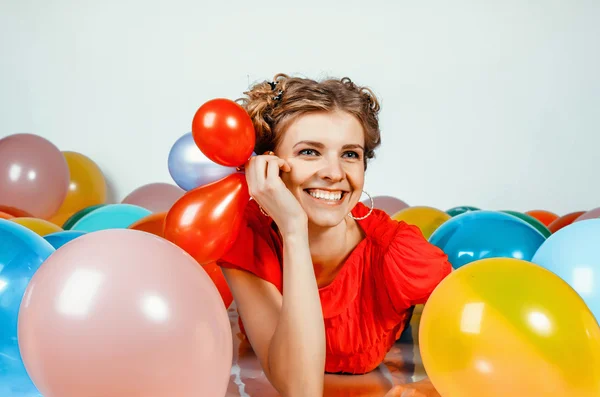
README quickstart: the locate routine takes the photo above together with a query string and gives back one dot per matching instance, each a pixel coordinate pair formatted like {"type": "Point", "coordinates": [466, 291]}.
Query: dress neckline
{"type": "Point", "coordinates": [360, 210]}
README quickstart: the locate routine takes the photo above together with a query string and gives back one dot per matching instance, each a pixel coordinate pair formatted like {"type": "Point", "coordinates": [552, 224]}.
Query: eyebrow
{"type": "Point", "coordinates": [321, 146]}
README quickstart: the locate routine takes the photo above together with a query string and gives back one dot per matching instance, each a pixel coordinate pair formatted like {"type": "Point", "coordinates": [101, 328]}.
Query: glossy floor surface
{"type": "Point", "coordinates": [402, 365]}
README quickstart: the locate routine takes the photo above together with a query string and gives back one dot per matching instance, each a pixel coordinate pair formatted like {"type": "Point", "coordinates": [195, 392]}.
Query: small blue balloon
{"type": "Point", "coordinates": [59, 239]}
{"type": "Point", "coordinates": [190, 168]}
{"type": "Point", "coordinates": [573, 254]}
{"type": "Point", "coordinates": [21, 253]}
{"type": "Point", "coordinates": [480, 234]}
{"type": "Point", "coordinates": [112, 216]}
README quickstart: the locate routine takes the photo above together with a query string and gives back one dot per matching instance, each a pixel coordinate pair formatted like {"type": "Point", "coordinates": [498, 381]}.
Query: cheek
{"type": "Point", "coordinates": [356, 177]}
{"type": "Point", "coordinates": [297, 176]}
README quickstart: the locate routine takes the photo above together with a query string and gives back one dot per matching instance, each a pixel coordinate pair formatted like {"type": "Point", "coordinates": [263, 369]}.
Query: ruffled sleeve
{"type": "Point", "coordinates": [412, 268]}
{"type": "Point", "coordinates": [256, 249]}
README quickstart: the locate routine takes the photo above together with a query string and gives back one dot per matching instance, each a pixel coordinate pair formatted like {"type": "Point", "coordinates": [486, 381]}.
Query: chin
{"type": "Point", "coordinates": [325, 220]}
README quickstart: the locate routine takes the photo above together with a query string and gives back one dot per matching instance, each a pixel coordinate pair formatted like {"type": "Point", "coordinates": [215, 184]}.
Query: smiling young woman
{"type": "Point", "coordinates": [322, 283]}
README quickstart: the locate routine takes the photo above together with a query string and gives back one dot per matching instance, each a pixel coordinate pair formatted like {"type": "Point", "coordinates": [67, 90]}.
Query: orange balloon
{"type": "Point", "coordinates": [546, 217]}
{"type": "Point", "coordinates": [14, 211]}
{"type": "Point", "coordinates": [4, 215]}
{"type": "Point", "coordinates": [40, 226]}
{"type": "Point", "coordinates": [564, 220]}
{"type": "Point", "coordinates": [153, 223]}
{"type": "Point", "coordinates": [205, 222]}
{"type": "Point", "coordinates": [87, 187]}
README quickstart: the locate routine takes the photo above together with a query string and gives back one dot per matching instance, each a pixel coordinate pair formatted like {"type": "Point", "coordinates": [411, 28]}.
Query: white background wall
{"type": "Point", "coordinates": [488, 103]}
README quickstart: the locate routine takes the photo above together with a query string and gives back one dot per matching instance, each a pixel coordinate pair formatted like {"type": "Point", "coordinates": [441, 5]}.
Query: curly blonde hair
{"type": "Point", "coordinates": [272, 106]}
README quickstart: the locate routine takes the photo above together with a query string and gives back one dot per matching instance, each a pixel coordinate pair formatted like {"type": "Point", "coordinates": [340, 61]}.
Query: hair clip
{"type": "Point", "coordinates": [279, 94]}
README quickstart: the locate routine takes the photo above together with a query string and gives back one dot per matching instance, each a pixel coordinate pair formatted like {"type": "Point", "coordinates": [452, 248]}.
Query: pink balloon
{"type": "Point", "coordinates": [156, 197]}
{"type": "Point", "coordinates": [591, 214]}
{"type": "Point", "coordinates": [34, 175]}
{"type": "Point", "coordinates": [388, 204]}
{"type": "Point", "coordinates": [123, 312]}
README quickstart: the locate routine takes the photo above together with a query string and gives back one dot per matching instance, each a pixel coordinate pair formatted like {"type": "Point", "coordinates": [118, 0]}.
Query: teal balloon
{"type": "Point", "coordinates": [59, 239]}
{"type": "Point", "coordinates": [573, 254]}
{"type": "Point", "coordinates": [478, 235]}
{"type": "Point", "coordinates": [461, 210]}
{"type": "Point", "coordinates": [532, 221]}
{"type": "Point", "coordinates": [111, 216]}
{"type": "Point", "coordinates": [22, 252]}
{"type": "Point", "coordinates": [80, 214]}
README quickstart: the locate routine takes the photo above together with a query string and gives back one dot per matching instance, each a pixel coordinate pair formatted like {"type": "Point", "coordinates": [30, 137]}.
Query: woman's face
{"type": "Point", "coordinates": [325, 152]}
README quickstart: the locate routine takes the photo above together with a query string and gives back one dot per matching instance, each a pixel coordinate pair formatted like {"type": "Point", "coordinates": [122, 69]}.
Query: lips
{"type": "Point", "coordinates": [327, 195]}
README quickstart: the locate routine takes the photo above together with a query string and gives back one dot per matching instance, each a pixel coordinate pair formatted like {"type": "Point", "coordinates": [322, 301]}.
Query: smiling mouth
{"type": "Point", "coordinates": [327, 196]}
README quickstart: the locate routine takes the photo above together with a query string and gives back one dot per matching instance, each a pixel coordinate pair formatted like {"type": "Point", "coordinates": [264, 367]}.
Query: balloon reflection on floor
{"type": "Point", "coordinates": [401, 365]}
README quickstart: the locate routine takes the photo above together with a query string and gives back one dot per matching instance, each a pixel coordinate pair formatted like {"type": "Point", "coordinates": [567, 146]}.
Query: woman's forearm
{"type": "Point", "coordinates": [297, 348]}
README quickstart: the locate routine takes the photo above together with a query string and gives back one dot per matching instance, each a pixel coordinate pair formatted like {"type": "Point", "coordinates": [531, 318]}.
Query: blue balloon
{"type": "Point", "coordinates": [112, 216]}
{"type": "Point", "coordinates": [477, 235]}
{"type": "Point", "coordinates": [190, 168]}
{"type": "Point", "coordinates": [21, 254]}
{"type": "Point", "coordinates": [573, 254]}
{"type": "Point", "coordinates": [59, 239]}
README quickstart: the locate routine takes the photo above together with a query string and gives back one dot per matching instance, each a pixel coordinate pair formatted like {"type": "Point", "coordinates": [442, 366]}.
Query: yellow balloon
{"type": "Point", "coordinates": [87, 187]}
{"type": "Point", "coordinates": [507, 327]}
{"type": "Point", "coordinates": [39, 226]}
{"type": "Point", "coordinates": [428, 219]}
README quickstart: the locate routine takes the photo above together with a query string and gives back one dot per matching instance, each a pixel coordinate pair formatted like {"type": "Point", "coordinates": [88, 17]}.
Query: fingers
{"type": "Point", "coordinates": [262, 172]}
{"type": "Point", "coordinates": [273, 167]}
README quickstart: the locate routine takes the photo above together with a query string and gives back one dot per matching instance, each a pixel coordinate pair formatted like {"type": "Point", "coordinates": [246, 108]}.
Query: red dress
{"type": "Point", "coordinates": [366, 306]}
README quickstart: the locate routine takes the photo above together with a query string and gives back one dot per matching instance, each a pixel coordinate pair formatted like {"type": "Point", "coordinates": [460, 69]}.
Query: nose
{"type": "Point", "coordinates": [332, 170]}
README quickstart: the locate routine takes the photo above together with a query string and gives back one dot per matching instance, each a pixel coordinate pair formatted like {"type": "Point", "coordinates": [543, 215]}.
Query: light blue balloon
{"type": "Point", "coordinates": [22, 252]}
{"type": "Point", "coordinates": [59, 239]}
{"type": "Point", "coordinates": [112, 216]}
{"type": "Point", "coordinates": [190, 168]}
{"type": "Point", "coordinates": [476, 235]}
{"type": "Point", "coordinates": [573, 254]}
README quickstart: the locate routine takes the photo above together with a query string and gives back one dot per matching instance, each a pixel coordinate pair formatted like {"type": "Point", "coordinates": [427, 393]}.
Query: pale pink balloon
{"type": "Point", "coordinates": [388, 204]}
{"type": "Point", "coordinates": [122, 312]}
{"type": "Point", "coordinates": [591, 214]}
{"type": "Point", "coordinates": [156, 197]}
{"type": "Point", "coordinates": [34, 175]}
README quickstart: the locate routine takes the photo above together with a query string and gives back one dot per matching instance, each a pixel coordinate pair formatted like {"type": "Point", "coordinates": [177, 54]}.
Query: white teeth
{"type": "Point", "coordinates": [325, 195]}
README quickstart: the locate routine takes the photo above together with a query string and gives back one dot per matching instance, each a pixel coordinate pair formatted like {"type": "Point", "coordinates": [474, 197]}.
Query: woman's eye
{"type": "Point", "coordinates": [308, 152]}
{"type": "Point", "coordinates": [352, 155]}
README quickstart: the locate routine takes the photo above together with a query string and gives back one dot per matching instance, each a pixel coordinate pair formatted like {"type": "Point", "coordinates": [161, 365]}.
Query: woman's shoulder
{"type": "Point", "coordinates": [378, 226]}
{"type": "Point", "coordinates": [388, 233]}
{"type": "Point", "coordinates": [405, 259]}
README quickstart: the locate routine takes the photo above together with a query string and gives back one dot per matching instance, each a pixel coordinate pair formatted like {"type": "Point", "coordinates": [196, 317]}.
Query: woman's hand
{"type": "Point", "coordinates": [423, 388]}
{"type": "Point", "coordinates": [269, 191]}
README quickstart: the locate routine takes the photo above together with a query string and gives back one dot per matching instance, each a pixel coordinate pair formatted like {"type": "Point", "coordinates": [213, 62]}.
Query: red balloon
{"type": "Point", "coordinates": [206, 221]}
{"type": "Point", "coordinates": [546, 217]}
{"type": "Point", "coordinates": [564, 220]}
{"type": "Point", "coordinates": [224, 132]}
{"type": "Point", "coordinates": [216, 275]}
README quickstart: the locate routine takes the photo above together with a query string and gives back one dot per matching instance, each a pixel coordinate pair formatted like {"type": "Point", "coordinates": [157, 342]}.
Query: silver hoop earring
{"type": "Point", "coordinates": [370, 210]}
